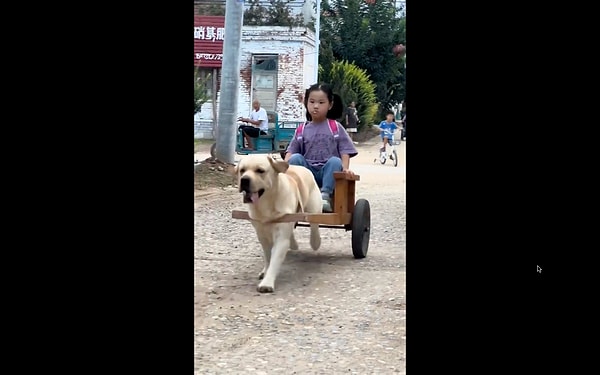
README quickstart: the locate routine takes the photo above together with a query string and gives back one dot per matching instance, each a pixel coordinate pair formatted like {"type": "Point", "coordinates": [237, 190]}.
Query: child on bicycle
{"type": "Point", "coordinates": [387, 129]}
{"type": "Point", "coordinates": [322, 145]}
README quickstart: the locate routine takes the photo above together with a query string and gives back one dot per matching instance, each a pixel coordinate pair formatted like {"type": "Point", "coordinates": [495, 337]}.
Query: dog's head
{"type": "Point", "coordinates": [257, 174]}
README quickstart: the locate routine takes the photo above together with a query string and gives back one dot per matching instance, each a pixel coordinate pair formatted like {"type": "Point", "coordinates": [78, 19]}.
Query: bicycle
{"type": "Point", "coordinates": [392, 155]}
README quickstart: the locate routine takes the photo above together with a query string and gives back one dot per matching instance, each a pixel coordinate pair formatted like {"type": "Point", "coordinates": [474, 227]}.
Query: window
{"type": "Point", "coordinates": [265, 63]}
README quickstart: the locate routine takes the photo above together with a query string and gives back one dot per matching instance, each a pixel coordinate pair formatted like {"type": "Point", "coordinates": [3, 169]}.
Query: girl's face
{"type": "Point", "coordinates": [390, 117]}
{"type": "Point", "coordinates": [318, 105]}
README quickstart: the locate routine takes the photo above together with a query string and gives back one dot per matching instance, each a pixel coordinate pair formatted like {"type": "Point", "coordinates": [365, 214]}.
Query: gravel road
{"type": "Point", "coordinates": [329, 314]}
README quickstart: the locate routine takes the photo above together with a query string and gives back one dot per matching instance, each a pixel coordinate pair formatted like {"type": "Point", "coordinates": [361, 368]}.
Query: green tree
{"type": "Point", "coordinates": [365, 35]}
{"type": "Point", "coordinates": [207, 9]}
{"type": "Point", "coordinates": [278, 14]}
{"type": "Point", "coordinates": [200, 90]}
{"type": "Point", "coordinates": [256, 15]}
{"type": "Point", "coordinates": [211, 10]}
{"type": "Point", "coordinates": [352, 84]}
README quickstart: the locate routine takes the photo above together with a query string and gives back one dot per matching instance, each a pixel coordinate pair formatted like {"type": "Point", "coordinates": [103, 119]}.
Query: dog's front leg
{"type": "Point", "coordinates": [266, 246]}
{"type": "Point", "coordinates": [266, 242]}
{"type": "Point", "coordinates": [281, 244]}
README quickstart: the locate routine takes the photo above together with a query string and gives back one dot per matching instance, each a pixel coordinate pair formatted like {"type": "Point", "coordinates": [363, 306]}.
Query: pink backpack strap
{"type": "Point", "coordinates": [299, 130]}
{"type": "Point", "coordinates": [334, 128]}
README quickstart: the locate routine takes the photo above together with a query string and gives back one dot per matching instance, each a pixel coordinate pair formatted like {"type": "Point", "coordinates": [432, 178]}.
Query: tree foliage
{"type": "Point", "coordinates": [206, 9]}
{"type": "Point", "coordinates": [365, 34]}
{"type": "Point", "coordinates": [352, 84]}
{"type": "Point", "coordinates": [278, 14]}
{"type": "Point", "coordinates": [200, 90]}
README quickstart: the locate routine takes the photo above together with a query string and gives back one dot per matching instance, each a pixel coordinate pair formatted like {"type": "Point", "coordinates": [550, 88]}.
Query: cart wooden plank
{"type": "Point", "coordinates": [327, 218]}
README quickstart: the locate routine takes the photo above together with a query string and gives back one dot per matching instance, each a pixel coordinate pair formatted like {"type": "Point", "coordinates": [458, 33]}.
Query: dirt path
{"type": "Point", "coordinates": [330, 313]}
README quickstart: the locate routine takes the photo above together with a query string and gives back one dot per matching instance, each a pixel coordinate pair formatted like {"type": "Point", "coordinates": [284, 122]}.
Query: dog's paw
{"type": "Point", "coordinates": [265, 289]}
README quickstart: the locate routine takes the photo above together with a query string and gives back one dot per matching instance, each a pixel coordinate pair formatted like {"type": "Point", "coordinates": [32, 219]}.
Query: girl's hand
{"type": "Point", "coordinates": [348, 171]}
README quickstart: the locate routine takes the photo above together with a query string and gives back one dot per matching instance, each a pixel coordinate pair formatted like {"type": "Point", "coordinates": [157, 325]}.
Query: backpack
{"type": "Point", "coordinates": [332, 126]}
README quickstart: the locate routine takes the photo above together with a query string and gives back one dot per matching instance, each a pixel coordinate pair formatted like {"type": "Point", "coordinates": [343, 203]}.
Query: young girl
{"type": "Point", "coordinates": [320, 149]}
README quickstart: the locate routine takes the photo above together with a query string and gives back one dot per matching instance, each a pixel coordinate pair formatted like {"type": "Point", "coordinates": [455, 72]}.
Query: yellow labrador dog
{"type": "Point", "coordinates": [273, 189]}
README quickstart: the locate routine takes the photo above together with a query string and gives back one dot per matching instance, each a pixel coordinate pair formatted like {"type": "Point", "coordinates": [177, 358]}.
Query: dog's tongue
{"type": "Point", "coordinates": [254, 197]}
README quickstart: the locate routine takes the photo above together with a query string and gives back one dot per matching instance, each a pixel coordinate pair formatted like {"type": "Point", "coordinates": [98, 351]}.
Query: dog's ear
{"type": "Point", "coordinates": [279, 166]}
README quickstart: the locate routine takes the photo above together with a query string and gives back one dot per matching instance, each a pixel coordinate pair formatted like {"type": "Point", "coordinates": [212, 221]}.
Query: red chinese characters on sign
{"type": "Point", "coordinates": [209, 33]}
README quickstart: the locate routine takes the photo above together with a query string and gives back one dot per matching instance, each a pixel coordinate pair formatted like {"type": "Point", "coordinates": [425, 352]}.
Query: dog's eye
{"type": "Point", "coordinates": [259, 170]}
{"type": "Point", "coordinates": [242, 171]}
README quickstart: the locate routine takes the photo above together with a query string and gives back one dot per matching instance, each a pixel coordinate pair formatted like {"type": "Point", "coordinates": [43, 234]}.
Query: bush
{"type": "Point", "coordinates": [353, 84]}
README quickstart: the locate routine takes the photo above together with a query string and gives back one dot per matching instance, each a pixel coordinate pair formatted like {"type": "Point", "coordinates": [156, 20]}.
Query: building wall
{"type": "Point", "coordinates": [292, 47]}
{"type": "Point", "coordinates": [296, 50]}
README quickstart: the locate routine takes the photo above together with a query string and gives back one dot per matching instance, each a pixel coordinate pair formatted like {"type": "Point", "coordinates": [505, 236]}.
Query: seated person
{"type": "Point", "coordinates": [259, 124]}
{"type": "Point", "coordinates": [318, 148]}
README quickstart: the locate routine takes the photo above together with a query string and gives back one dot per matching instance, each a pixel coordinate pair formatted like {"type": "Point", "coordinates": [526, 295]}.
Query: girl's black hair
{"type": "Point", "coordinates": [390, 112]}
{"type": "Point", "coordinates": [337, 109]}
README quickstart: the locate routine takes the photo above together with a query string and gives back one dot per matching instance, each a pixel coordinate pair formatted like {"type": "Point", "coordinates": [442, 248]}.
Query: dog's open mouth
{"type": "Point", "coordinates": [253, 197]}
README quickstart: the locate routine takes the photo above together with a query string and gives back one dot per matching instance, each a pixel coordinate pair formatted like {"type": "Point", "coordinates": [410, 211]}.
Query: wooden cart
{"type": "Point", "coordinates": [347, 214]}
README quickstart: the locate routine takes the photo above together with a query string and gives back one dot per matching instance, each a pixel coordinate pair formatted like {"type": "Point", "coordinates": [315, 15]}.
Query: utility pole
{"type": "Point", "coordinates": [230, 81]}
{"type": "Point", "coordinates": [317, 41]}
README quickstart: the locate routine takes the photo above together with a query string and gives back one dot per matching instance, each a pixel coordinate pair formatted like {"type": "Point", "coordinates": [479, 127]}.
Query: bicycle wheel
{"type": "Point", "coordinates": [395, 158]}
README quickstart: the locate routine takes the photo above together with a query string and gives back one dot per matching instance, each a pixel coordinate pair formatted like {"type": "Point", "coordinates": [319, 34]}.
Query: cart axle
{"type": "Point", "coordinates": [325, 226]}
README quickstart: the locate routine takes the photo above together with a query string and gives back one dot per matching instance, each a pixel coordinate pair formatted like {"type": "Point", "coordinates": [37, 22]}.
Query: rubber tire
{"type": "Point", "coordinates": [395, 159]}
{"type": "Point", "coordinates": [361, 228]}
{"type": "Point", "coordinates": [213, 150]}
{"type": "Point", "coordinates": [384, 160]}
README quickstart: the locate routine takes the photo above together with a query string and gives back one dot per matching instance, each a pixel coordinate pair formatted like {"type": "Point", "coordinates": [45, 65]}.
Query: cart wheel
{"type": "Point", "coordinates": [282, 154]}
{"type": "Point", "coordinates": [361, 228]}
{"type": "Point", "coordinates": [395, 159]}
{"type": "Point", "coordinates": [213, 150]}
